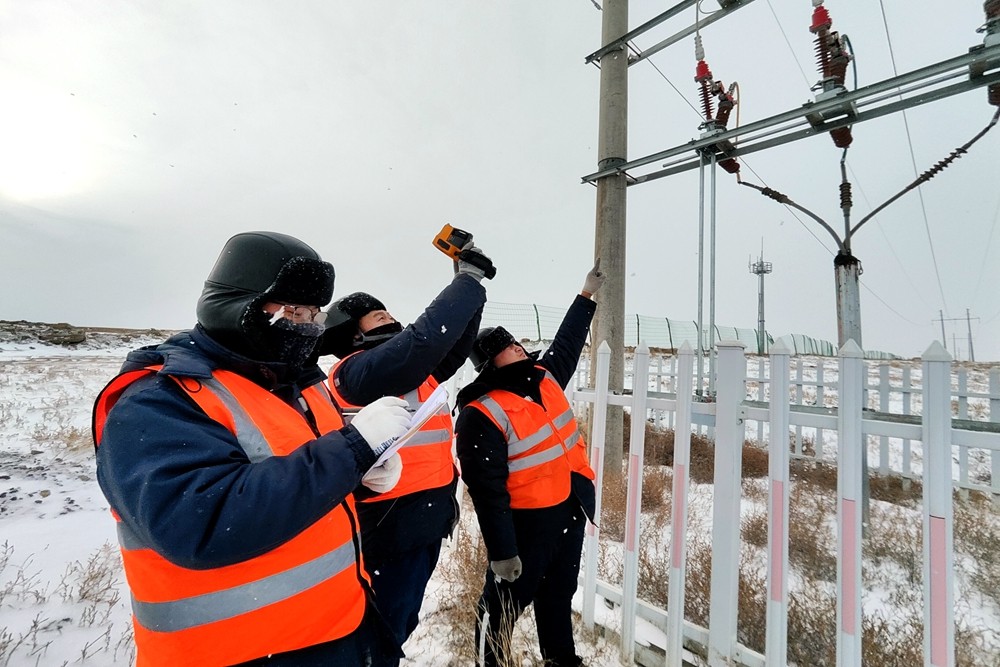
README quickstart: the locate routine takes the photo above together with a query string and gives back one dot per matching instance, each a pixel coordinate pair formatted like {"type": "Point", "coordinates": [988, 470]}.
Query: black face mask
{"type": "Point", "coordinates": [283, 341]}
{"type": "Point", "coordinates": [378, 335]}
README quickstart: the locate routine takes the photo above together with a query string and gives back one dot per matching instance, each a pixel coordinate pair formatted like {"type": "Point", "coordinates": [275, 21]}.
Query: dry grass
{"type": "Point", "coordinates": [892, 551]}
{"type": "Point", "coordinates": [90, 587]}
{"type": "Point", "coordinates": [462, 575]}
{"type": "Point", "coordinates": [659, 450]}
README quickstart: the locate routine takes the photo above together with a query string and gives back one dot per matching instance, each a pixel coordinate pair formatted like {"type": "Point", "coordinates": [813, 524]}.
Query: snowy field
{"type": "Point", "coordinates": [63, 599]}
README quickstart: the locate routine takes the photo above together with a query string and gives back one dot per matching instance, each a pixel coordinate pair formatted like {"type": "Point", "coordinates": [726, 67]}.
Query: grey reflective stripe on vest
{"type": "Point", "coordinates": [412, 399]}
{"type": "Point", "coordinates": [499, 416]}
{"type": "Point", "coordinates": [431, 437]}
{"type": "Point", "coordinates": [428, 436]}
{"type": "Point", "coordinates": [231, 602]}
{"type": "Point", "coordinates": [128, 540]}
{"type": "Point", "coordinates": [536, 459]}
{"type": "Point", "coordinates": [517, 446]}
{"type": "Point", "coordinates": [249, 436]}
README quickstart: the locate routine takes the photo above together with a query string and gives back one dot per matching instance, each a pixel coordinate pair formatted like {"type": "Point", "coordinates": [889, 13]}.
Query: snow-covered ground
{"type": "Point", "coordinates": [63, 599]}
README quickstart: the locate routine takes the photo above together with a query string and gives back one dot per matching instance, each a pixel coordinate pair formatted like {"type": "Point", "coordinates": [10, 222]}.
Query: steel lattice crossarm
{"type": "Point", "coordinates": [978, 68]}
{"type": "Point", "coordinates": [727, 7]}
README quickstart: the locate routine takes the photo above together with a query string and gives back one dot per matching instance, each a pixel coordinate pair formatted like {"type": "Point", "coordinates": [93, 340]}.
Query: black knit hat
{"type": "Point", "coordinates": [490, 342]}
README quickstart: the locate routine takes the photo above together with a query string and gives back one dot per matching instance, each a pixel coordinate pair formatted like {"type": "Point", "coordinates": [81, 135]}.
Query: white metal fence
{"type": "Point", "coordinates": [930, 428]}
{"type": "Point", "coordinates": [893, 391]}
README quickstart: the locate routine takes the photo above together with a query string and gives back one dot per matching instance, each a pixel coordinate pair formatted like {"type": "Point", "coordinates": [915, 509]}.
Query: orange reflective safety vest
{"type": "Point", "coordinates": [428, 462]}
{"type": "Point", "coordinates": [304, 592]}
{"type": "Point", "coordinates": [543, 444]}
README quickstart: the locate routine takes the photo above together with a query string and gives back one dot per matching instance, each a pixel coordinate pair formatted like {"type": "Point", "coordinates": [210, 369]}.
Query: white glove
{"type": "Point", "coordinates": [381, 479]}
{"type": "Point", "coordinates": [381, 422]}
{"type": "Point", "coordinates": [462, 266]}
{"type": "Point", "coordinates": [508, 569]}
{"type": "Point", "coordinates": [594, 279]}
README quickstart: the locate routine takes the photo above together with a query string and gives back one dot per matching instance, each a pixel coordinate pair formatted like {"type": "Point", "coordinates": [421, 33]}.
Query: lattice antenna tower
{"type": "Point", "coordinates": [760, 268]}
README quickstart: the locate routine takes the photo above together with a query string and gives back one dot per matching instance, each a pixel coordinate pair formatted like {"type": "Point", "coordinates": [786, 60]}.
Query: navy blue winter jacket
{"type": "Point", "coordinates": [435, 345]}
{"type": "Point", "coordinates": [181, 481]}
{"type": "Point", "coordinates": [482, 447]}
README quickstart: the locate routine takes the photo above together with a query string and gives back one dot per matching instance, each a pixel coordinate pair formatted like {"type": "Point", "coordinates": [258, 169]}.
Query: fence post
{"type": "Point", "coordinates": [776, 649]}
{"type": "Point", "coordinates": [939, 621]}
{"type": "Point", "coordinates": [597, 463]}
{"type": "Point", "coordinates": [633, 502]}
{"type": "Point", "coordinates": [883, 406]}
{"type": "Point", "coordinates": [678, 511]}
{"type": "Point", "coordinates": [995, 417]}
{"type": "Point", "coordinates": [729, 436]}
{"type": "Point", "coordinates": [797, 399]}
{"type": "Point", "coordinates": [761, 395]}
{"type": "Point", "coordinates": [821, 402]}
{"type": "Point", "coordinates": [538, 322]}
{"type": "Point", "coordinates": [850, 441]}
{"type": "Point", "coordinates": [963, 452]}
{"type": "Point", "coordinates": [907, 409]}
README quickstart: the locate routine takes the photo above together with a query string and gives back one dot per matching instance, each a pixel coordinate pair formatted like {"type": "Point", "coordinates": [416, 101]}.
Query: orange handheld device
{"type": "Point", "coordinates": [450, 240]}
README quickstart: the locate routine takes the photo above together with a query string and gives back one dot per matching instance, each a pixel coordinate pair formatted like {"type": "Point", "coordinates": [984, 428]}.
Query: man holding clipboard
{"type": "Point", "coordinates": [402, 529]}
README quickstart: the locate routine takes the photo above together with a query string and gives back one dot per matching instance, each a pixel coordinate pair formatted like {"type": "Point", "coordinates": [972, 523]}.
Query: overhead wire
{"type": "Point", "coordinates": [913, 161]}
{"type": "Point", "coordinates": [986, 252]}
{"type": "Point", "coordinates": [888, 242]}
{"type": "Point", "coordinates": [794, 55]}
{"type": "Point", "coordinates": [791, 211]}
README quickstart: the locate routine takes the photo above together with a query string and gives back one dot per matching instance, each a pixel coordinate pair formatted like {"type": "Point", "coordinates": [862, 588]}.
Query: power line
{"type": "Point", "coordinates": [788, 208]}
{"type": "Point", "coordinates": [913, 161]}
{"type": "Point", "coordinates": [986, 253]}
{"type": "Point", "coordinates": [888, 241]}
{"type": "Point", "coordinates": [658, 71]}
{"type": "Point", "coordinates": [794, 56]}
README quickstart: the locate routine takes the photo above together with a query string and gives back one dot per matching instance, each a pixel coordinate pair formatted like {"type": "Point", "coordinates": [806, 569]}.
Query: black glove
{"type": "Point", "coordinates": [463, 266]}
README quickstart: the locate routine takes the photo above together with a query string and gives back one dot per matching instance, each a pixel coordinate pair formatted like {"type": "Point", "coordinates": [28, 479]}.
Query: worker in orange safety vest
{"type": "Point", "coordinates": [230, 477]}
{"type": "Point", "coordinates": [525, 465]}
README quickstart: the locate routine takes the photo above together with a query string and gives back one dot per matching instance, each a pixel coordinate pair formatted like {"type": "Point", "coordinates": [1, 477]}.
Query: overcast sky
{"type": "Point", "coordinates": [136, 137]}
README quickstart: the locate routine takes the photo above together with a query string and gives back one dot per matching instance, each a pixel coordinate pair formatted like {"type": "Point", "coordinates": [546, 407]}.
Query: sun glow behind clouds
{"type": "Point", "coordinates": [46, 143]}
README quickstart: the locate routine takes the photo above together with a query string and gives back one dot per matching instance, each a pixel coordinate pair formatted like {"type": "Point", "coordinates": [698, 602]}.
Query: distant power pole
{"type": "Point", "coordinates": [954, 344]}
{"type": "Point", "coordinates": [968, 321]}
{"type": "Point", "coordinates": [609, 236]}
{"type": "Point", "coordinates": [944, 338]}
{"type": "Point", "coordinates": [761, 268]}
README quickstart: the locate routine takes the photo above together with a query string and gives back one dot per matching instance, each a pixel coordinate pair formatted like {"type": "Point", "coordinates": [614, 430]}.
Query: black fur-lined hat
{"type": "Point", "coordinates": [253, 268]}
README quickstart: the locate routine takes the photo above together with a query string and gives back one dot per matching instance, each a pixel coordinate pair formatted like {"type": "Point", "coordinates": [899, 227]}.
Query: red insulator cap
{"type": "Point", "coordinates": [730, 165]}
{"type": "Point", "coordinates": [842, 137]}
{"type": "Point", "coordinates": [701, 71]}
{"type": "Point", "coordinates": [821, 19]}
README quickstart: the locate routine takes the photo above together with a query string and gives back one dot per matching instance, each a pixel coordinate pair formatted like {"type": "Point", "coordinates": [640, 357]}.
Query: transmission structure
{"type": "Point", "coordinates": [760, 268]}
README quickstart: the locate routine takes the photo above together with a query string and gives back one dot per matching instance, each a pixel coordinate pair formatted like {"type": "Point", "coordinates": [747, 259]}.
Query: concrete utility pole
{"type": "Point", "coordinates": [609, 237]}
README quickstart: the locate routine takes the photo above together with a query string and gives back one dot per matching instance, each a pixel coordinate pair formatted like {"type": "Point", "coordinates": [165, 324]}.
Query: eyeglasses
{"type": "Point", "coordinates": [300, 314]}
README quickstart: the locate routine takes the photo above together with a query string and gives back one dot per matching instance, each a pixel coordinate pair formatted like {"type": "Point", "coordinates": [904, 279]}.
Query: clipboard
{"type": "Point", "coordinates": [429, 408]}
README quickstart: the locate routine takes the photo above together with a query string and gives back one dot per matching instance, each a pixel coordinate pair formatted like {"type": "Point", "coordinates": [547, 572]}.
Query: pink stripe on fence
{"type": "Point", "coordinates": [777, 540]}
{"type": "Point", "coordinates": [679, 500]}
{"type": "Point", "coordinates": [939, 593]}
{"type": "Point", "coordinates": [847, 548]}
